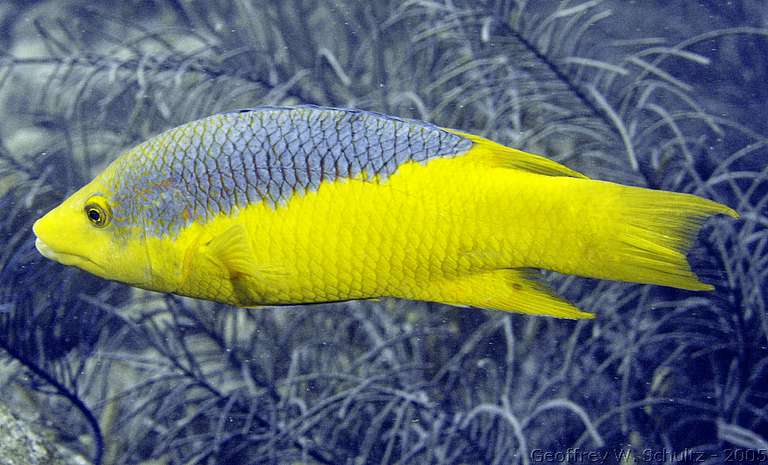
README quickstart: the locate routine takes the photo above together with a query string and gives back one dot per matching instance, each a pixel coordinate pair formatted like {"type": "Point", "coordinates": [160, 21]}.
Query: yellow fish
{"type": "Point", "coordinates": [293, 205]}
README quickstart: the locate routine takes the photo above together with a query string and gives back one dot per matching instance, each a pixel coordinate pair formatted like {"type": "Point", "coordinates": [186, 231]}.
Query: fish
{"type": "Point", "coordinates": [293, 205]}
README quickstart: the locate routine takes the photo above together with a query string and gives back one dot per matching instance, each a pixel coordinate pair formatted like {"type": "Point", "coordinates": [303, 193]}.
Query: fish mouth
{"type": "Point", "coordinates": [65, 258]}
{"type": "Point", "coordinates": [44, 250]}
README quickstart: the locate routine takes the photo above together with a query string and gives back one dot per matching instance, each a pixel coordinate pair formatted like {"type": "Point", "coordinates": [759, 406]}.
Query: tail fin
{"type": "Point", "coordinates": [658, 229]}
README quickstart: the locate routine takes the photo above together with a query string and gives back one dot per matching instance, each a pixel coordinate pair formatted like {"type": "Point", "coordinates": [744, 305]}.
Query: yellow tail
{"type": "Point", "coordinates": [611, 232]}
{"type": "Point", "coordinates": [651, 234]}
{"type": "Point", "coordinates": [607, 230]}
{"type": "Point", "coordinates": [563, 221]}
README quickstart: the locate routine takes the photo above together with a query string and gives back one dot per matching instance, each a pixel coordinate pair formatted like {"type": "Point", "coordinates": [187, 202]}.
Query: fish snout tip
{"type": "Point", "coordinates": [36, 228]}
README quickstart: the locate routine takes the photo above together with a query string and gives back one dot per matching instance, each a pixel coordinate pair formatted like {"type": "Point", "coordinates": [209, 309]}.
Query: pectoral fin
{"type": "Point", "coordinates": [232, 249]}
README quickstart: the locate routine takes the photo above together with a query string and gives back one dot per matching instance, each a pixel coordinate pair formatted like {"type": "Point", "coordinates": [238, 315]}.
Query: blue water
{"type": "Point", "coordinates": [669, 95]}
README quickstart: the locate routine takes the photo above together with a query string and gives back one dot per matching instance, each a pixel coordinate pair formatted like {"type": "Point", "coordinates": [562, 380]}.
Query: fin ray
{"type": "Point", "coordinates": [656, 230]}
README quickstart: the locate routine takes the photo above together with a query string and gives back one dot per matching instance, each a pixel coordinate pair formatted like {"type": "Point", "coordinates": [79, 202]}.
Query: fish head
{"type": "Point", "coordinates": [89, 230]}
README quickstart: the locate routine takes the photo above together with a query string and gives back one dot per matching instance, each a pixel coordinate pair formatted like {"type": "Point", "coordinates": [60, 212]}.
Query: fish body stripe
{"type": "Point", "coordinates": [227, 161]}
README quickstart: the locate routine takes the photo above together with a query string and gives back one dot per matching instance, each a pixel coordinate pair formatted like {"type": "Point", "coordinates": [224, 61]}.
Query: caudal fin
{"type": "Point", "coordinates": [655, 229]}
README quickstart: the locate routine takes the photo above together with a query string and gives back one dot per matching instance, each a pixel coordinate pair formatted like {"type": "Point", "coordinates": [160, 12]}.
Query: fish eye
{"type": "Point", "coordinates": [98, 212]}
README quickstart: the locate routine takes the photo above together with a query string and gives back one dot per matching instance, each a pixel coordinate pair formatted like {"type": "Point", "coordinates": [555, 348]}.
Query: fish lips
{"type": "Point", "coordinates": [44, 250]}
{"type": "Point", "coordinates": [62, 257]}
{"type": "Point", "coordinates": [66, 258]}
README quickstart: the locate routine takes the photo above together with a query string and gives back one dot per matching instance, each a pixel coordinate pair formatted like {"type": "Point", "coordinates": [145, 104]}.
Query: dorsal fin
{"type": "Point", "coordinates": [501, 155]}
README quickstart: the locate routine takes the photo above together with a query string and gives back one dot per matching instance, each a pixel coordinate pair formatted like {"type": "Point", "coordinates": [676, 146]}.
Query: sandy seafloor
{"type": "Point", "coordinates": [668, 95]}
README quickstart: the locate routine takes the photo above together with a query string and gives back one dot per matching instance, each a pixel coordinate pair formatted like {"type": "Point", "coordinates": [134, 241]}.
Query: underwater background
{"type": "Point", "coordinates": [668, 95]}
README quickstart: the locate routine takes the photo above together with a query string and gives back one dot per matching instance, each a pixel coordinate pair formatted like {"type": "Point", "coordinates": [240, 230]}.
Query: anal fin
{"type": "Point", "coordinates": [511, 290]}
